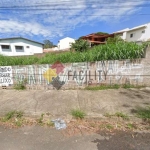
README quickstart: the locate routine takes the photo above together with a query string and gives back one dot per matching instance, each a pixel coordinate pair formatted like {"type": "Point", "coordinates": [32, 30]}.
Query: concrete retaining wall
{"type": "Point", "coordinates": [75, 75]}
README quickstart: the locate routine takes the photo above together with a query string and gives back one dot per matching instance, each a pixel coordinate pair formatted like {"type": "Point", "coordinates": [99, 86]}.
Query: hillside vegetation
{"type": "Point", "coordinates": [110, 51]}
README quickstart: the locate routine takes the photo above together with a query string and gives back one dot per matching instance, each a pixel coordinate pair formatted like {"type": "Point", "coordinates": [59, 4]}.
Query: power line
{"type": "Point", "coordinates": [103, 15]}
{"type": "Point", "coordinates": [81, 1]}
{"type": "Point", "coordinates": [58, 9]}
{"type": "Point", "coordinates": [70, 2]}
{"type": "Point", "coordinates": [49, 7]}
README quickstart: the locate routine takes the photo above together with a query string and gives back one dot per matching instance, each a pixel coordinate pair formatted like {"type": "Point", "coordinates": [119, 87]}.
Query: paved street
{"type": "Point", "coordinates": [44, 138]}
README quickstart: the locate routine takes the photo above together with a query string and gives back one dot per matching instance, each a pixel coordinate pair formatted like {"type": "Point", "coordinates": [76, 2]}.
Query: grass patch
{"type": "Point", "coordinates": [108, 115]}
{"type": "Point", "coordinates": [106, 126]}
{"type": "Point", "coordinates": [103, 87]}
{"type": "Point", "coordinates": [9, 115]}
{"type": "Point", "coordinates": [131, 126]}
{"type": "Point", "coordinates": [14, 117]}
{"type": "Point", "coordinates": [21, 85]}
{"type": "Point", "coordinates": [40, 120]}
{"type": "Point", "coordinates": [78, 114]}
{"type": "Point", "coordinates": [19, 114]}
{"type": "Point", "coordinates": [128, 86]}
{"type": "Point", "coordinates": [19, 122]}
{"type": "Point", "coordinates": [109, 126]}
{"type": "Point", "coordinates": [143, 113]}
{"type": "Point", "coordinates": [122, 115]}
{"type": "Point", "coordinates": [113, 86]}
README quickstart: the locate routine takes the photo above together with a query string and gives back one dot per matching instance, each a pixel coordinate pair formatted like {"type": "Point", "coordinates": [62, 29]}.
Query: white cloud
{"type": "Point", "coordinates": [22, 28]}
{"type": "Point", "coordinates": [52, 19]}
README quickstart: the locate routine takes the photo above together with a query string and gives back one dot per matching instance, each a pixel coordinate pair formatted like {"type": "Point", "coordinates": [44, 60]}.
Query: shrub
{"type": "Point", "coordinates": [78, 114]}
{"type": "Point", "coordinates": [111, 51]}
{"type": "Point", "coordinates": [21, 85]}
{"type": "Point", "coordinates": [80, 45]}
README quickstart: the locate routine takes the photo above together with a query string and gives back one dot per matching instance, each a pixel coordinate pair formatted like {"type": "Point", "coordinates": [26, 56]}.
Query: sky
{"type": "Point", "coordinates": [53, 20]}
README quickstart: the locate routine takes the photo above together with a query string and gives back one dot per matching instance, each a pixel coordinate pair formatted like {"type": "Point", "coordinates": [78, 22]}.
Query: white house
{"type": "Point", "coordinates": [19, 46]}
{"type": "Point", "coordinates": [136, 34]}
{"type": "Point", "coordinates": [65, 43]}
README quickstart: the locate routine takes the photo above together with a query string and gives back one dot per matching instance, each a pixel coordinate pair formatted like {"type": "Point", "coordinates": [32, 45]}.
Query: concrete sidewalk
{"type": "Point", "coordinates": [60, 103]}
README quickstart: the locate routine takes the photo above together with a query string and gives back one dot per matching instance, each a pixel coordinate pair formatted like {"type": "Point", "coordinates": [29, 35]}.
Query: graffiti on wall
{"type": "Point", "coordinates": [107, 71]}
{"type": "Point", "coordinates": [85, 73]}
{"type": "Point", "coordinates": [6, 76]}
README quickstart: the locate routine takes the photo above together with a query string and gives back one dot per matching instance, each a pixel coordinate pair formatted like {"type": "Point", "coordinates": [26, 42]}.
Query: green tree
{"type": "Point", "coordinates": [80, 45]}
{"type": "Point", "coordinates": [48, 44]}
{"type": "Point", "coordinates": [102, 33]}
{"type": "Point", "coordinates": [115, 39]}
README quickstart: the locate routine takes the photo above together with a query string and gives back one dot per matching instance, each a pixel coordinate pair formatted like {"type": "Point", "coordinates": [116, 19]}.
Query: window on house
{"type": "Point", "coordinates": [143, 31]}
{"type": "Point", "coordinates": [19, 48]}
{"type": "Point", "coordinates": [131, 35]}
{"type": "Point", "coordinates": [6, 48]}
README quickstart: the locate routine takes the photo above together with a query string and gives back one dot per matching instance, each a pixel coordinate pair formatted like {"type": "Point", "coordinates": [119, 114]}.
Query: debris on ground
{"type": "Point", "coordinates": [59, 124]}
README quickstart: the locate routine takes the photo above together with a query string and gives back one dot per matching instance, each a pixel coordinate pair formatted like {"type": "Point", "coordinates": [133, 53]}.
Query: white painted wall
{"type": "Point", "coordinates": [147, 33]}
{"type": "Point", "coordinates": [137, 33]}
{"type": "Point", "coordinates": [65, 43]}
{"type": "Point", "coordinates": [30, 48]}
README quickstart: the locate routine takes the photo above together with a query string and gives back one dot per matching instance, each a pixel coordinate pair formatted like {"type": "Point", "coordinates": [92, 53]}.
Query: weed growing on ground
{"type": "Point", "coordinates": [14, 117]}
{"type": "Point", "coordinates": [40, 120]}
{"type": "Point", "coordinates": [9, 115]}
{"type": "Point", "coordinates": [19, 114]}
{"type": "Point", "coordinates": [21, 85]}
{"type": "Point", "coordinates": [143, 113]}
{"type": "Point", "coordinates": [78, 114]}
{"type": "Point", "coordinates": [103, 87]}
{"type": "Point", "coordinates": [50, 123]}
{"type": "Point", "coordinates": [131, 126]}
{"type": "Point", "coordinates": [106, 126]}
{"type": "Point", "coordinates": [109, 126]}
{"type": "Point", "coordinates": [108, 115]}
{"type": "Point", "coordinates": [19, 122]}
{"type": "Point", "coordinates": [112, 86]}
{"type": "Point", "coordinates": [121, 115]}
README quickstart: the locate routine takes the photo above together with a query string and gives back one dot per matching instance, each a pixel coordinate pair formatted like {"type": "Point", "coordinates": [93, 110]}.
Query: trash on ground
{"type": "Point", "coordinates": [59, 124]}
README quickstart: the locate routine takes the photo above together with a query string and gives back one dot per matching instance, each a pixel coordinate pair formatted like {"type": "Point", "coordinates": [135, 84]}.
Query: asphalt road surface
{"type": "Point", "coordinates": [45, 138]}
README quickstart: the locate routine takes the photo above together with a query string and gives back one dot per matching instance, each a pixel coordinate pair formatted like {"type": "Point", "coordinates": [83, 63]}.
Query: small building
{"type": "Point", "coordinates": [19, 46]}
{"type": "Point", "coordinates": [65, 43]}
{"type": "Point", "coordinates": [136, 34]}
{"type": "Point", "coordinates": [96, 39]}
